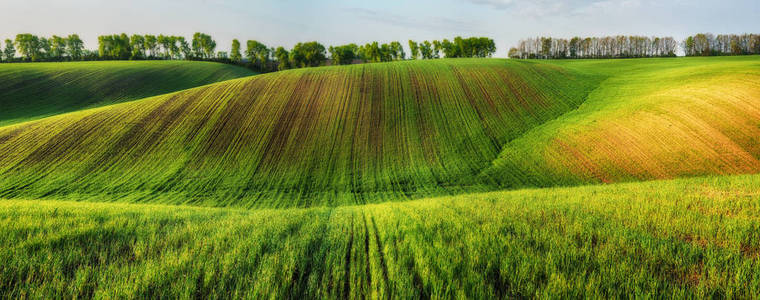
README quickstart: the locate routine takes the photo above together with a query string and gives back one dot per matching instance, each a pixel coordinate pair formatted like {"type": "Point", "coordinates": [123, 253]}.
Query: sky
{"type": "Point", "coordinates": [335, 22]}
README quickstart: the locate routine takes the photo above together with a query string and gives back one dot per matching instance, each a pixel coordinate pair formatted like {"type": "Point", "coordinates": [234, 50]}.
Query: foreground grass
{"type": "Point", "coordinates": [683, 238]}
{"type": "Point", "coordinates": [31, 91]}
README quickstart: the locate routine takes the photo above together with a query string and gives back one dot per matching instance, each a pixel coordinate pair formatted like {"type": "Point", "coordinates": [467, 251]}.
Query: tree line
{"type": "Point", "coordinates": [257, 55]}
{"type": "Point", "coordinates": [376, 52]}
{"type": "Point", "coordinates": [708, 44]}
{"type": "Point", "coordinates": [595, 47]}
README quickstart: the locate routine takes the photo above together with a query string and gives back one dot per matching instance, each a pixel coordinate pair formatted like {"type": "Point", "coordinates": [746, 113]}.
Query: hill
{"type": "Point", "coordinates": [319, 136]}
{"type": "Point", "coordinates": [34, 90]}
{"type": "Point", "coordinates": [650, 119]}
{"type": "Point", "coordinates": [687, 238]}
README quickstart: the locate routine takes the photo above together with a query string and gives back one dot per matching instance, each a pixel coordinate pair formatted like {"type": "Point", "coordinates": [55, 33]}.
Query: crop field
{"type": "Point", "coordinates": [446, 178]}
{"type": "Point", "coordinates": [31, 91]}
{"type": "Point", "coordinates": [684, 238]}
{"type": "Point", "coordinates": [323, 136]}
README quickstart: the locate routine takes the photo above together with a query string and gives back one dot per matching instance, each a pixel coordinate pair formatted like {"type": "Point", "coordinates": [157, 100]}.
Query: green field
{"type": "Point", "coordinates": [449, 178]}
{"type": "Point", "coordinates": [31, 91]}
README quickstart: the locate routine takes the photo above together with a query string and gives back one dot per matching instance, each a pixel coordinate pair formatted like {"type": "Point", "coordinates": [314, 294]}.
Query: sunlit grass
{"type": "Point", "coordinates": [683, 238]}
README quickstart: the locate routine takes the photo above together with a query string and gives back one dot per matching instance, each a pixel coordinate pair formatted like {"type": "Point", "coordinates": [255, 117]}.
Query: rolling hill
{"type": "Point", "coordinates": [405, 130]}
{"type": "Point", "coordinates": [34, 90]}
{"type": "Point", "coordinates": [322, 136]}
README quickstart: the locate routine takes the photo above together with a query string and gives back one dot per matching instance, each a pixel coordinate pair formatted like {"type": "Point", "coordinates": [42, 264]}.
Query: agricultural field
{"type": "Point", "coordinates": [446, 178]}
{"type": "Point", "coordinates": [31, 91]}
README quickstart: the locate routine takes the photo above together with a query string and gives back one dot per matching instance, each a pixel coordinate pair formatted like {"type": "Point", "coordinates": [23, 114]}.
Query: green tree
{"type": "Point", "coordinates": [235, 53]}
{"type": "Point", "coordinates": [74, 46]}
{"type": "Point", "coordinates": [203, 45]}
{"type": "Point", "coordinates": [151, 45]}
{"type": "Point", "coordinates": [257, 53]}
{"type": "Point", "coordinates": [414, 50]}
{"type": "Point", "coordinates": [29, 46]}
{"type": "Point", "coordinates": [283, 58]}
{"type": "Point", "coordinates": [437, 49]}
{"type": "Point", "coordinates": [57, 47]}
{"type": "Point", "coordinates": [184, 47]}
{"type": "Point", "coordinates": [309, 54]}
{"type": "Point", "coordinates": [10, 51]}
{"type": "Point", "coordinates": [138, 46]}
{"type": "Point", "coordinates": [165, 43]}
{"type": "Point", "coordinates": [426, 50]}
{"type": "Point", "coordinates": [397, 51]}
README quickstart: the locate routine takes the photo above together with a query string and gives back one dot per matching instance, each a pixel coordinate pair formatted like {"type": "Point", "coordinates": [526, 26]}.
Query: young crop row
{"type": "Point", "coordinates": [684, 238]}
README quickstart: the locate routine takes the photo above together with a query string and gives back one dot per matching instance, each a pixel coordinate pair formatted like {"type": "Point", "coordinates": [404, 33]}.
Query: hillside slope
{"type": "Point", "coordinates": [651, 119]}
{"type": "Point", "coordinates": [321, 136]}
{"type": "Point", "coordinates": [34, 90]}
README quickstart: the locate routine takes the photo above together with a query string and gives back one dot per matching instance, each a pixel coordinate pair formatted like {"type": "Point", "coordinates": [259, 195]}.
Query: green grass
{"type": "Point", "coordinates": [687, 238]}
{"type": "Point", "coordinates": [321, 136]}
{"type": "Point", "coordinates": [31, 91]}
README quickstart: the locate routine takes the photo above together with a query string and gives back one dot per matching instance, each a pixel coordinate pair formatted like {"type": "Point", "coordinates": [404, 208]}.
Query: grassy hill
{"type": "Point", "coordinates": [321, 136]}
{"type": "Point", "coordinates": [687, 238]}
{"type": "Point", "coordinates": [650, 119]}
{"type": "Point", "coordinates": [34, 90]}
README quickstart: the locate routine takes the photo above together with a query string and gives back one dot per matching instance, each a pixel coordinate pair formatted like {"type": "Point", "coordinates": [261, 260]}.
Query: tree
{"type": "Point", "coordinates": [57, 47]}
{"type": "Point", "coordinates": [426, 49]}
{"type": "Point", "coordinates": [165, 43]}
{"type": "Point", "coordinates": [343, 55]}
{"type": "Point", "coordinates": [447, 47]}
{"type": "Point", "coordinates": [29, 46]}
{"type": "Point", "coordinates": [257, 53]}
{"type": "Point", "coordinates": [74, 46]}
{"type": "Point", "coordinates": [309, 54]}
{"type": "Point", "coordinates": [10, 51]}
{"type": "Point", "coordinates": [437, 47]}
{"type": "Point", "coordinates": [414, 50]}
{"type": "Point", "coordinates": [184, 47]}
{"type": "Point", "coordinates": [203, 45]}
{"type": "Point", "coordinates": [283, 58]}
{"type": "Point", "coordinates": [235, 52]}
{"type": "Point", "coordinates": [397, 51]}
{"type": "Point", "coordinates": [513, 53]}
{"type": "Point", "coordinates": [137, 42]}
{"type": "Point", "coordinates": [151, 45]}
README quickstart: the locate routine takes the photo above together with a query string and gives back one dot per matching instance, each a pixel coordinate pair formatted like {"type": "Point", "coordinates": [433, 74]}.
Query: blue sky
{"type": "Point", "coordinates": [286, 22]}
